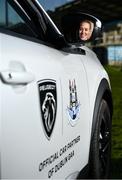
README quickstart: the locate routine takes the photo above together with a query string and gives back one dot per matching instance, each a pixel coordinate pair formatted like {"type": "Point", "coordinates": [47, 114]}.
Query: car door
{"type": "Point", "coordinates": [75, 129]}
{"type": "Point", "coordinates": [43, 104]}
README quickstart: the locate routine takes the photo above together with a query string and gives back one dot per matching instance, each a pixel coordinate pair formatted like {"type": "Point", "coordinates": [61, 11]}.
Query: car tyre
{"type": "Point", "coordinates": [100, 149]}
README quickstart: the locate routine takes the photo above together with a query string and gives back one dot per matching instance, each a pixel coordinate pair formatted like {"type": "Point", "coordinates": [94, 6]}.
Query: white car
{"type": "Point", "coordinates": [55, 96]}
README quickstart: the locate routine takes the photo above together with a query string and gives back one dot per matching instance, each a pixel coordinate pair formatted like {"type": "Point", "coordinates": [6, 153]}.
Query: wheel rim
{"type": "Point", "coordinates": [104, 146]}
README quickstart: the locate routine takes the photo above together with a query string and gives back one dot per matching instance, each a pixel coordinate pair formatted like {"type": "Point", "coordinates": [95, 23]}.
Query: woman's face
{"type": "Point", "coordinates": [85, 31]}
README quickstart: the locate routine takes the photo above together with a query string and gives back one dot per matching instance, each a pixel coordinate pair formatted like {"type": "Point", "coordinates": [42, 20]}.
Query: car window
{"type": "Point", "coordinates": [2, 13]}
{"type": "Point", "coordinates": [11, 20]}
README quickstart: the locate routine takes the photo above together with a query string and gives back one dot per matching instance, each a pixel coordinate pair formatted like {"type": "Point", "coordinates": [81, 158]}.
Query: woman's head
{"type": "Point", "coordinates": [85, 30]}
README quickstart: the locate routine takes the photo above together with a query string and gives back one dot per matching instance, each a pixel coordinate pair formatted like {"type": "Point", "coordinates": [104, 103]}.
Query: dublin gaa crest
{"type": "Point", "coordinates": [48, 104]}
{"type": "Point", "coordinates": [74, 107]}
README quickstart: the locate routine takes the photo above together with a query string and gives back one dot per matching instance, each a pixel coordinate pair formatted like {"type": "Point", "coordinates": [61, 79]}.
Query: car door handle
{"type": "Point", "coordinates": [16, 78]}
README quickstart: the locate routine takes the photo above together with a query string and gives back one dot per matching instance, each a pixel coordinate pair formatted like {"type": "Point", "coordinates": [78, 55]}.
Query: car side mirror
{"type": "Point", "coordinates": [81, 27]}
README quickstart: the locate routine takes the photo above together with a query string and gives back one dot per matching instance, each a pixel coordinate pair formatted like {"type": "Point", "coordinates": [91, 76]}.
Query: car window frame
{"type": "Point", "coordinates": [34, 27]}
{"type": "Point", "coordinates": [31, 25]}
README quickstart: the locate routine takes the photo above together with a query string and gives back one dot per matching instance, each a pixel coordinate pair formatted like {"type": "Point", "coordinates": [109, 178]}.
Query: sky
{"type": "Point", "coordinates": [52, 4]}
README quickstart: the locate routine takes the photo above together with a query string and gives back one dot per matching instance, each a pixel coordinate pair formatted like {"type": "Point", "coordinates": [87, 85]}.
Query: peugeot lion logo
{"type": "Point", "coordinates": [48, 105]}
